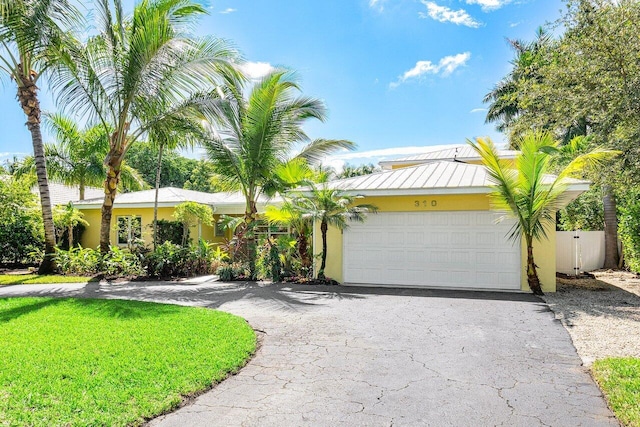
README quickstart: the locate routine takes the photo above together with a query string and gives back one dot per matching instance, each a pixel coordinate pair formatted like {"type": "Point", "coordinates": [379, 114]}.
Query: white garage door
{"type": "Point", "coordinates": [432, 249]}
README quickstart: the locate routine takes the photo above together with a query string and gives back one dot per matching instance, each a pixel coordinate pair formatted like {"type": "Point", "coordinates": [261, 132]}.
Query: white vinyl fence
{"type": "Point", "coordinates": [579, 251]}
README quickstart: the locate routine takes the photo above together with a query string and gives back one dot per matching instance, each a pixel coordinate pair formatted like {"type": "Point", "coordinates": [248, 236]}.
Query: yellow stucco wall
{"type": "Point", "coordinates": [544, 252]}
{"type": "Point", "coordinates": [91, 235]}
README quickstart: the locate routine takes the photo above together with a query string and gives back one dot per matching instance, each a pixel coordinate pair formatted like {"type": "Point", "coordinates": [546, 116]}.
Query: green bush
{"type": "Point", "coordinates": [171, 260]}
{"type": "Point", "coordinates": [629, 230]}
{"type": "Point", "coordinates": [21, 229]}
{"type": "Point", "coordinates": [233, 271]}
{"type": "Point", "coordinates": [86, 261]}
{"type": "Point", "coordinates": [78, 260]}
{"type": "Point", "coordinates": [584, 213]}
{"type": "Point", "coordinates": [168, 260]}
{"type": "Point", "coordinates": [169, 231]}
{"type": "Point", "coordinates": [225, 272]}
{"type": "Point", "coordinates": [119, 262]}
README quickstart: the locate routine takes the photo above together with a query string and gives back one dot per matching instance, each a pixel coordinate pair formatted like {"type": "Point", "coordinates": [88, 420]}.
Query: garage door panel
{"type": "Point", "coordinates": [440, 257]}
{"type": "Point", "coordinates": [432, 249]}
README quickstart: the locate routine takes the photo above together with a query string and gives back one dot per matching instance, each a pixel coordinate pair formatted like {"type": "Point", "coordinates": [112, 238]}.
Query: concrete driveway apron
{"type": "Point", "coordinates": [334, 356]}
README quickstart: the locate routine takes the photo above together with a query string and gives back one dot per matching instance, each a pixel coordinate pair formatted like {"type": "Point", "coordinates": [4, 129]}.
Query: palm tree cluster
{"type": "Point", "coordinates": [528, 192]}
{"type": "Point", "coordinates": [144, 75]}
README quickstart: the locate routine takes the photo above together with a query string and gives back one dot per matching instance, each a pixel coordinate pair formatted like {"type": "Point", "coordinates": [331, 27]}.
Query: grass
{"type": "Point", "coordinates": [619, 379]}
{"type": "Point", "coordinates": [76, 362]}
{"type": "Point", "coordinates": [34, 279]}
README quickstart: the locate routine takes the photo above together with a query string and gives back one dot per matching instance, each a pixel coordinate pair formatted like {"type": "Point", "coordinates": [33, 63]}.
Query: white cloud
{"type": "Point", "coordinates": [376, 4]}
{"type": "Point", "coordinates": [478, 110]}
{"type": "Point", "coordinates": [444, 67]}
{"type": "Point", "coordinates": [228, 10]}
{"type": "Point", "coordinates": [256, 70]}
{"type": "Point", "coordinates": [488, 5]}
{"type": "Point", "coordinates": [444, 14]}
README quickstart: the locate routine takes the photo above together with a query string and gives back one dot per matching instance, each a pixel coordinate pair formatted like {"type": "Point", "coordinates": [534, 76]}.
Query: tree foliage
{"type": "Point", "coordinates": [190, 214]}
{"type": "Point", "coordinates": [527, 193]}
{"type": "Point", "coordinates": [256, 134]}
{"type": "Point", "coordinates": [138, 72]}
{"type": "Point", "coordinates": [21, 229]}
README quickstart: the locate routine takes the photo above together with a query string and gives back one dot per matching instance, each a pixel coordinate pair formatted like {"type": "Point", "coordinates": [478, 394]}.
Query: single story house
{"type": "Point", "coordinates": [133, 214]}
{"type": "Point", "coordinates": [434, 229]}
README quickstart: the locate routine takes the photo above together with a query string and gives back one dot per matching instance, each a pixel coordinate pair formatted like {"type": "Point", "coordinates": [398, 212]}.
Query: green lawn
{"type": "Point", "coordinates": [110, 362]}
{"type": "Point", "coordinates": [620, 382]}
{"type": "Point", "coordinates": [33, 279]}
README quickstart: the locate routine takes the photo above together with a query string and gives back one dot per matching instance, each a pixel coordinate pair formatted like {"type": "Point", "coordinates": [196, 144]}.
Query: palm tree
{"type": "Point", "coordinates": [527, 192]}
{"type": "Point", "coordinates": [503, 99]}
{"type": "Point", "coordinates": [330, 206]}
{"type": "Point", "coordinates": [289, 175]}
{"type": "Point", "coordinates": [77, 156]}
{"type": "Point", "coordinates": [28, 30]}
{"type": "Point", "coordinates": [174, 131]}
{"type": "Point", "coordinates": [135, 73]}
{"type": "Point", "coordinates": [257, 134]}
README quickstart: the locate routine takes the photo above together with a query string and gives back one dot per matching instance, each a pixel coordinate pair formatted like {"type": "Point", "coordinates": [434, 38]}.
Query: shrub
{"type": "Point", "coordinates": [119, 262]}
{"type": "Point", "coordinates": [78, 260]}
{"type": "Point", "coordinates": [225, 272]}
{"type": "Point", "coordinates": [171, 260]}
{"type": "Point", "coordinates": [87, 261]}
{"type": "Point", "coordinates": [21, 229]}
{"type": "Point", "coordinates": [629, 230]}
{"type": "Point", "coordinates": [169, 231]}
{"type": "Point", "coordinates": [234, 271]}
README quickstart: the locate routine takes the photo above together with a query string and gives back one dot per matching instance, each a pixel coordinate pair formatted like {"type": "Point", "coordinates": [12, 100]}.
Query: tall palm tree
{"type": "Point", "coordinates": [138, 71]}
{"type": "Point", "coordinates": [28, 30]}
{"type": "Point", "coordinates": [77, 156]}
{"type": "Point", "coordinates": [258, 132]}
{"type": "Point", "coordinates": [330, 206]}
{"type": "Point", "coordinates": [527, 192]}
{"type": "Point", "coordinates": [503, 99]}
{"type": "Point", "coordinates": [179, 130]}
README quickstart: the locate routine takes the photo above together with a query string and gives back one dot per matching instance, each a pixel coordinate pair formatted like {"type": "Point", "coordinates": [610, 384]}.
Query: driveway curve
{"type": "Point", "coordinates": [335, 356]}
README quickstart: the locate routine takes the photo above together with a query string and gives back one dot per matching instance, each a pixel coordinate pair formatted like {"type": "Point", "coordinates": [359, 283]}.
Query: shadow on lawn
{"type": "Point", "coordinates": [15, 312]}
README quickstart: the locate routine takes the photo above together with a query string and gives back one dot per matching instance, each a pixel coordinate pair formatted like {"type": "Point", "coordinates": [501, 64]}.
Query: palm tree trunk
{"type": "Point", "coordinates": [532, 273]}
{"type": "Point", "coordinates": [155, 202]}
{"type": "Point", "coordinates": [114, 161]}
{"type": "Point", "coordinates": [323, 230]}
{"type": "Point", "coordinates": [249, 219]}
{"type": "Point", "coordinates": [70, 233]}
{"type": "Point", "coordinates": [28, 98]}
{"type": "Point", "coordinates": [81, 189]}
{"type": "Point", "coordinates": [611, 256]}
{"type": "Point", "coordinates": [303, 250]}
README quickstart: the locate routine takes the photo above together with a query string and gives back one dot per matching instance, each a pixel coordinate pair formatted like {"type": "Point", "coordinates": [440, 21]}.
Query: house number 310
{"type": "Point", "coordinates": [425, 203]}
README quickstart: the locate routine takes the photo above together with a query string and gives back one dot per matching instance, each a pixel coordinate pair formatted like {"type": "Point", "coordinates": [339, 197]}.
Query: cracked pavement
{"type": "Point", "coordinates": [338, 356]}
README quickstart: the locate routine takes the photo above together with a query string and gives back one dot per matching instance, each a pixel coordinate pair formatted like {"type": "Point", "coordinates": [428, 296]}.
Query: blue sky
{"type": "Point", "coordinates": [397, 76]}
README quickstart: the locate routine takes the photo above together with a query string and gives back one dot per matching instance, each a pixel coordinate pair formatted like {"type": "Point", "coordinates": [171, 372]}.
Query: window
{"type": "Point", "coordinates": [263, 229]}
{"type": "Point", "coordinates": [129, 229]}
{"type": "Point", "coordinates": [220, 230]}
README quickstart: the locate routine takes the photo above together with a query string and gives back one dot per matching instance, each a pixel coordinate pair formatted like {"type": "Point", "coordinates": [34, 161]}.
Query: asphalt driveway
{"type": "Point", "coordinates": [380, 357]}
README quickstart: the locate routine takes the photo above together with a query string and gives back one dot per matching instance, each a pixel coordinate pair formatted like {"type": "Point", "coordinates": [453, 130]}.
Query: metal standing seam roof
{"type": "Point", "coordinates": [171, 196]}
{"type": "Point", "coordinates": [455, 152]}
{"type": "Point", "coordinates": [61, 194]}
{"type": "Point", "coordinates": [445, 176]}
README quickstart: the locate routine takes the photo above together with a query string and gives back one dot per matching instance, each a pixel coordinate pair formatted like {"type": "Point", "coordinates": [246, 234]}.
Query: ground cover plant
{"type": "Point", "coordinates": [110, 362]}
{"type": "Point", "coordinates": [619, 379]}
{"type": "Point", "coordinates": [35, 279]}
